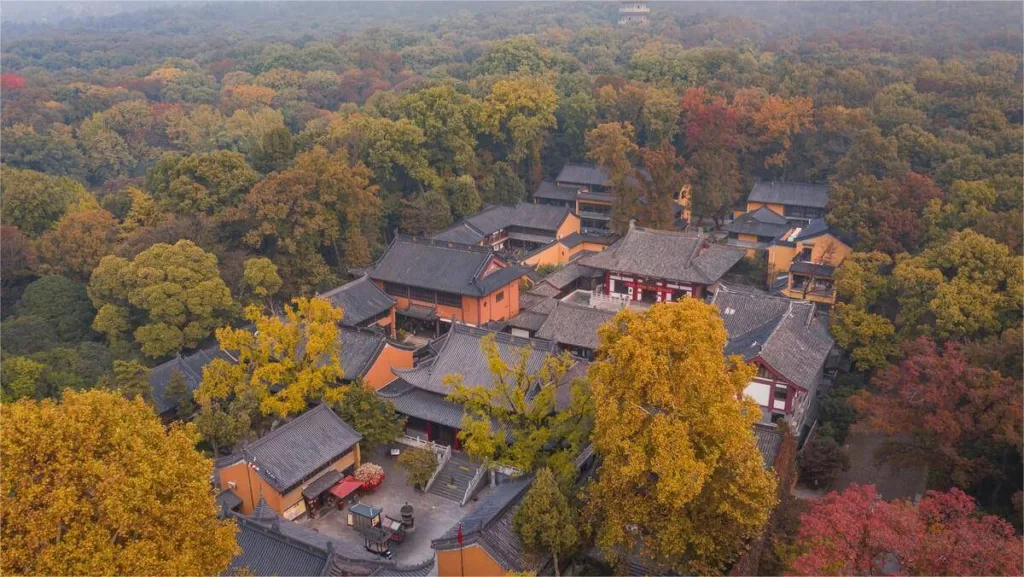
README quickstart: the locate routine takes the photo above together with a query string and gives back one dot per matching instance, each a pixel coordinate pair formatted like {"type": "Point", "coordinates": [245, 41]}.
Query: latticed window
{"type": "Point", "coordinates": [396, 290]}
{"type": "Point", "coordinates": [421, 294]}
{"type": "Point", "coordinates": [449, 299]}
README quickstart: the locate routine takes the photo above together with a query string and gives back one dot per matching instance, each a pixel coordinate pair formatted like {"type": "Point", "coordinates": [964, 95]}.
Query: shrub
{"type": "Point", "coordinates": [368, 473]}
{"type": "Point", "coordinates": [419, 464]}
{"type": "Point", "coordinates": [821, 461]}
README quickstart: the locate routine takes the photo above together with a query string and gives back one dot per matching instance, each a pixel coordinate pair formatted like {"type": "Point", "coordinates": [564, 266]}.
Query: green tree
{"type": "Point", "coordinates": [682, 482]}
{"type": "Point", "coordinates": [19, 378]}
{"type": "Point", "coordinates": [518, 113]}
{"type": "Point", "coordinates": [448, 120]}
{"type": "Point", "coordinates": [181, 395]}
{"type": "Point", "coordinates": [611, 145]}
{"type": "Point", "coordinates": [34, 202]}
{"type": "Point", "coordinates": [321, 204]}
{"type": "Point", "coordinates": [171, 296]}
{"type": "Point", "coordinates": [545, 521]}
{"type": "Point", "coordinates": [76, 244]}
{"type": "Point", "coordinates": [131, 380]}
{"type": "Point", "coordinates": [419, 465]}
{"type": "Point", "coordinates": [463, 196]}
{"type": "Point", "coordinates": [515, 419]}
{"type": "Point", "coordinates": [78, 368]}
{"type": "Point", "coordinates": [24, 335]}
{"type": "Point", "coordinates": [96, 485]}
{"type": "Point", "coordinates": [223, 427]}
{"type": "Point", "coordinates": [870, 338]}
{"type": "Point", "coordinates": [260, 278]}
{"type": "Point", "coordinates": [821, 461]}
{"type": "Point", "coordinates": [206, 182]}
{"type": "Point", "coordinates": [61, 302]}
{"type": "Point", "coordinates": [375, 418]}
{"type": "Point", "coordinates": [427, 213]}
{"type": "Point", "coordinates": [274, 151]}
{"type": "Point", "coordinates": [502, 185]}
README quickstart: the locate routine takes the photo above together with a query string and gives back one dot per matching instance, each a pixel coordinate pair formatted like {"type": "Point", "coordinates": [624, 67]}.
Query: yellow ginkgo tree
{"type": "Point", "coordinates": [283, 362]}
{"type": "Point", "coordinates": [96, 485]}
{"type": "Point", "coordinates": [682, 484]}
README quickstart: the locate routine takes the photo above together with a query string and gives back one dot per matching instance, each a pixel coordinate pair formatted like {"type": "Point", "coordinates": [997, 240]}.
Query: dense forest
{"type": "Point", "coordinates": [167, 165]}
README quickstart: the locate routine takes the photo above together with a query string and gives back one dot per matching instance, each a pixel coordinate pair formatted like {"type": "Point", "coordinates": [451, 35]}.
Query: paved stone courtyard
{"type": "Point", "coordinates": [433, 514]}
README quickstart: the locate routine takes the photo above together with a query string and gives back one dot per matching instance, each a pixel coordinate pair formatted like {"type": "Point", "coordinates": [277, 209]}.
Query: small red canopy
{"type": "Point", "coordinates": [344, 488]}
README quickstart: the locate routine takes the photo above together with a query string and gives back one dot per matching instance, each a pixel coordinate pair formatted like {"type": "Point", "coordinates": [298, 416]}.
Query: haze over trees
{"type": "Point", "coordinates": [165, 168]}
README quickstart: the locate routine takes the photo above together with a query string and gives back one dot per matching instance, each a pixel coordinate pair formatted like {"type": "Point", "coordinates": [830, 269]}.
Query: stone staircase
{"type": "Point", "coordinates": [451, 483]}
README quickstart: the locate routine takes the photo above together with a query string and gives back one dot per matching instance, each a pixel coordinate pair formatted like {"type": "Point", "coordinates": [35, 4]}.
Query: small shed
{"type": "Point", "coordinates": [362, 516]}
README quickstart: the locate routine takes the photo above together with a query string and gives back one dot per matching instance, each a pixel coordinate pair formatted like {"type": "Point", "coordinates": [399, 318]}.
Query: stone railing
{"type": "Point", "coordinates": [441, 452]}
{"type": "Point", "coordinates": [474, 482]}
{"type": "Point", "coordinates": [442, 460]}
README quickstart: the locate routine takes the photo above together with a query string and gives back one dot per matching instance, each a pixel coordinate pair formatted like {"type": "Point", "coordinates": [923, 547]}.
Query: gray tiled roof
{"type": "Point", "coordinates": [528, 320]}
{"type": "Point", "coordinates": [813, 229]}
{"type": "Point", "coordinates": [359, 349]}
{"type": "Point", "coordinates": [361, 300]}
{"type": "Point", "coordinates": [789, 335]}
{"type": "Point", "coordinates": [442, 266]}
{"type": "Point", "coordinates": [791, 193]}
{"type": "Point", "coordinates": [761, 222]}
{"type": "Point", "coordinates": [289, 454]}
{"type": "Point", "coordinates": [191, 369]}
{"type": "Point", "coordinates": [548, 189]}
{"type": "Point", "coordinates": [461, 354]}
{"type": "Point", "coordinates": [577, 238]}
{"type": "Point", "coordinates": [228, 499]}
{"type": "Point", "coordinates": [531, 318]}
{"type": "Point", "coordinates": [267, 551]}
{"type": "Point", "coordinates": [462, 232]}
{"type": "Point", "coordinates": [489, 525]}
{"type": "Point", "coordinates": [574, 325]}
{"type": "Point", "coordinates": [491, 219]}
{"type": "Point", "coordinates": [586, 174]}
{"type": "Point", "coordinates": [679, 256]}
{"type": "Point", "coordinates": [525, 215]}
{"type": "Point", "coordinates": [544, 289]}
{"type": "Point", "coordinates": [769, 439]}
{"type": "Point", "coordinates": [414, 402]}
{"type": "Point", "coordinates": [809, 268]}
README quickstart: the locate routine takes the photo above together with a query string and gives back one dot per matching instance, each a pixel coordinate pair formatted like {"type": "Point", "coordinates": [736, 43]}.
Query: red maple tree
{"type": "Point", "coordinates": [857, 533]}
{"type": "Point", "coordinates": [963, 419]}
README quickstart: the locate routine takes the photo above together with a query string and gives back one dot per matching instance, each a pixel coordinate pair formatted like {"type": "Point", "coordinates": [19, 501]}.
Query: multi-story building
{"type": "Point", "coordinates": [652, 266]}
{"type": "Point", "coordinates": [798, 202]}
{"type": "Point", "coordinates": [520, 228]}
{"type": "Point", "coordinates": [788, 341]}
{"type": "Point", "coordinates": [437, 281]}
{"type": "Point", "coordinates": [633, 13]}
{"type": "Point", "coordinates": [806, 258]}
{"type": "Point", "coordinates": [293, 466]}
{"type": "Point", "coordinates": [364, 305]}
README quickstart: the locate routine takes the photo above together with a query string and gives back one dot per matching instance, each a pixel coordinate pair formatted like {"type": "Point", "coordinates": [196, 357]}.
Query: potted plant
{"type": "Point", "coordinates": [369, 475]}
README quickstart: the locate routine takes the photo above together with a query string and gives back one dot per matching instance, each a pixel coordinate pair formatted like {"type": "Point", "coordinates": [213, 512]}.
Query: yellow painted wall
{"type": "Point", "coordinates": [380, 372]}
{"type": "Point", "coordinates": [570, 225]}
{"type": "Point", "coordinates": [820, 243]}
{"type": "Point", "coordinates": [472, 562]}
{"type": "Point", "coordinates": [779, 259]}
{"type": "Point", "coordinates": [552, 255]}
{"type": "Point", "coordinates": [241, 474]}
{"type": "Point", "coordinates": [777, 208]}
{"type": "Point", "coordinates": [559, 254]}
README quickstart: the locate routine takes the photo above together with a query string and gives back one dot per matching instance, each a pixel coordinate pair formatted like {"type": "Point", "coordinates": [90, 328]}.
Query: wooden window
{"type": "Point", "coordinates": [421, 294]}
{"type": "Point", "coordinates": [396, 290]}
{"type": "Point", "coordinates": [499, 297]}
{"type": "Point", "coordinates": [449, 299]}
